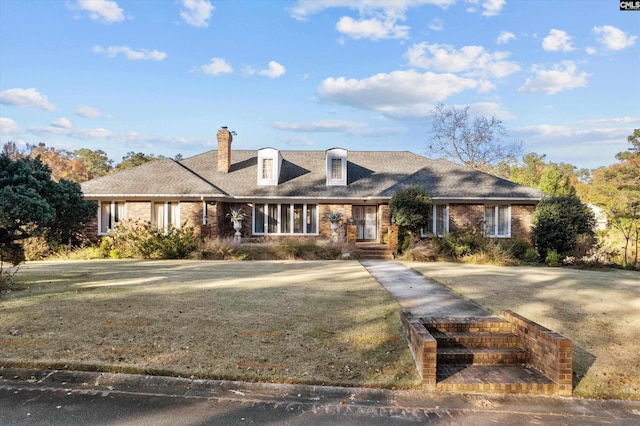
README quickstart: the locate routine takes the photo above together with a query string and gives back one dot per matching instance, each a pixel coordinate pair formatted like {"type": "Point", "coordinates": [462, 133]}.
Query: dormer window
{"type": "Point", "coordinates": [267, 169]}
{"type": "Point", "coordinates": [269, 163]}
{"type": "Point", "coordinates": [337, 167]}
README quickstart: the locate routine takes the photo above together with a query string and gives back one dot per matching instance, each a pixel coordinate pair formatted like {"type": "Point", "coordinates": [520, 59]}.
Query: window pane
{"type": "Point", "coordinates": [336, 168]}
{"type": "Point", "coordinates": [503, 220]}
{"type": "Point", "coordinates": [158, 215]}
{"type": "Point", "coordinates": [312, 225]}
{"type": "Point", "coordinates": [267, 168]}
{"type": "Point", "coordinates": [175, 214]}
{"type": "Point", "coordinates": [298, 221]}
{"type": "Point", "coordinates": [490, 221]}
{"type": "Point", "coordinates": [119, 210]}
{"type": "Point", "coordinates": [441, 219]}
{"type": "Point", "coordinates": [259, 218]}
{"type": "Point", "coordinates": [273, 219]}
{"type": "Point", "coordinates": [285, 218]}
{"type": "Point", "coordinates": [105, 216]}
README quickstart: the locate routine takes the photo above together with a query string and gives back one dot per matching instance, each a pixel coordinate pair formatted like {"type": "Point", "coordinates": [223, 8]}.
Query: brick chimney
{"type": "Point", "coordinates": [224, 149]}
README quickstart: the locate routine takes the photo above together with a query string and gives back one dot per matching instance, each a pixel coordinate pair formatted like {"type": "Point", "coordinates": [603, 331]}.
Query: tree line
{"type": "Point", "coordinates": [78, 165]}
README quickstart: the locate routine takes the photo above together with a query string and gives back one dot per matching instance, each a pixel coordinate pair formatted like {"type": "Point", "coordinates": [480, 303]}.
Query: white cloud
{"type": "Point", "coordinates": [563, 76]}
{"type": "Point", "coordinates": [378, 19]}
{"type": "Point", "coordinates": [305, 8]}
{"type": "Point", "coordinates": [557, 40]}
{"type": "Point", "coordinates": [319, 126]}
{"type": "Point", "coordinates": [87, 111]}
{"type": "Point", "coordinates": [62, 123]}
{"type": "Point", "coordinates": [492, 7]}
{"type": "Point", "coordinates": [472, 60]}
{"type": "Point", "coordinates": [196, 12]}
{"type": "Point", "coordinates": [436, 24]}
{"type": "Point", "coordinates": [505, 37]}
{"type": "Point", "coordinates": [591, 50]}
{"type": "Point", "coordinates": [105, 11]}
{"type": "Point", "coordinates": [8, 126]}
{"type": "Point", "coordinates": [217, 66]}
{"type": "Point", "coordinates": [489, 7]}
{"type": "Point", "coordinates": [374, 29]}
{"type": "Point", "coordinates": [614, 38]}
{"type": "Point", "coordinates": [384, 92]}
{"type": "Point", "coordinates": [132, 55]}
{"type": "Point", "coordinates": [275, 70]}
{"type": "Point", "coordinates": [26, 98]}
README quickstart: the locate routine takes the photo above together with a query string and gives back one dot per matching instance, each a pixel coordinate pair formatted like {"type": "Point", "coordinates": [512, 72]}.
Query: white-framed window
{"type": "Point", "coordinates": [111, 212]}
{"type": "Point", "coordinates": [438, 223]}
{"type": "Point", "coordinates": [269, 165]}
{"type": "Point", "coordinates": [336, 167]}
{"type": "Point", "coordinates": [165, 214]}
{"type": "Point", "coordinates": [285, 219]}
{"type": "Point", "coordinates": [267, 168]}
{"type": "Point", "coordinates": [497, 221]}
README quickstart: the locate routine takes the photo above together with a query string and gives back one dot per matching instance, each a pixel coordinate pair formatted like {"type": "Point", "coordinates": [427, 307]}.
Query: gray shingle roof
{"type": "Point", "coordinates": [370, 174]}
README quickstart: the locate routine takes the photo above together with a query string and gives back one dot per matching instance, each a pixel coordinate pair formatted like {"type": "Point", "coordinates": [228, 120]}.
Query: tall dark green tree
{"type": "Point", "coordinates": [32, 204]}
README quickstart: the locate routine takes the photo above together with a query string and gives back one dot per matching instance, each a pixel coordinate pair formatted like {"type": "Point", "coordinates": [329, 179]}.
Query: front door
{"type": "Point", "coordinates": [366, 220]}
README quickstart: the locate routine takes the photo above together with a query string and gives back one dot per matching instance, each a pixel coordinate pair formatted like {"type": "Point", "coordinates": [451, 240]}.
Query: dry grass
{"type": "Point", "coordinates": [599, 310]}
{"type": "Point", "coordinates": [315, 322]}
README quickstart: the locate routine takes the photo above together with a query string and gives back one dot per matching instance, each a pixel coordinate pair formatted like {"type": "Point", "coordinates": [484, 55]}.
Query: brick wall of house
{"type": "Point", "coordinates": [521, 219]}
{"type": "Point", "coordinates": [464, 216]}
{"type": "Point", "coordinates": [139, 211]}
{"type": "Point", "coordinates": [191, 214]}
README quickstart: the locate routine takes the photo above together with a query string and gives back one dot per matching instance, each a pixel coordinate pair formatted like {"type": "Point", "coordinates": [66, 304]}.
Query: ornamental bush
{"type": "Point", "coordinates": [559, 223]}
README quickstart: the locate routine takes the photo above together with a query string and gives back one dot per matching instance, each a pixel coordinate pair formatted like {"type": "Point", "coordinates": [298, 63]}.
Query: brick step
{"type": "Point", "coordinates": [481, 356]}
{"type": "Point", "coordinates": [375, 256]}
{"type": "Point", "coordinates": [503, 379]}
{"type": "Point", "coordinates": [374, 252]}
{"type": "Point", "coordinates": [489, 324]}
{"type": "Point", "coordinates": [476, 340]}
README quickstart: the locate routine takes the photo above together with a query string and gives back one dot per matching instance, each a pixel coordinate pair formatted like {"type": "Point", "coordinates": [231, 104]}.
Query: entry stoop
{"type": "Point", "coordinates": [507, 354]}
{"type": "Point", "coordinates": [373, 251]}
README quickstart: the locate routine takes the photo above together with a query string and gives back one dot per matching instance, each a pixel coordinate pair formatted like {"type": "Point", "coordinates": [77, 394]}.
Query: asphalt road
{"type": "Point", "coordinates": [31, 397]}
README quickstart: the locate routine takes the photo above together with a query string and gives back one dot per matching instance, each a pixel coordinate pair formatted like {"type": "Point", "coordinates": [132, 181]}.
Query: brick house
{"type": "Point", "coordinates": [288, 193]}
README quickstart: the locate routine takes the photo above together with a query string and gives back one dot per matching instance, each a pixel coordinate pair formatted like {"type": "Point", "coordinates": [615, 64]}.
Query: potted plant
{"type": "Point", "coordinates": [334, 218]}
{"type": "Point", "coordinates": [237, 215]}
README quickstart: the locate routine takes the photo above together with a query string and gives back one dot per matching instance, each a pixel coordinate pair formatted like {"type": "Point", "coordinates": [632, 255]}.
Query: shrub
{"type": "Point", "coordinates": [491, 253]}
{"type": "Point", "coordinates": [518, 248]}
{"type": "Point", "coordinates": [558, 224]}
{"type": "Point", "coordinates": [410, 207]}
{"type": "Point", "coordinates": [530, 256]}
{"type": "Point", "coordinates": [135, 239]}
{"type": "Point", "coordinates": [553, 258]}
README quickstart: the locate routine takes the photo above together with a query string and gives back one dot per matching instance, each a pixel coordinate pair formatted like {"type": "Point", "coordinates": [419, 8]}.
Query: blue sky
{"type": "Point", "coordinates": [161, 77]}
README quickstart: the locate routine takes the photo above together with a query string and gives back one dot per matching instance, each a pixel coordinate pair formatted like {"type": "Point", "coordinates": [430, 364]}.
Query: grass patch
{"type": "Point", "coordinates": [313, 322]}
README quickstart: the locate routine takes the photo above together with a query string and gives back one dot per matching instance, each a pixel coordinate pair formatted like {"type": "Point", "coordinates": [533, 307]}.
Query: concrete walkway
{"type": "Point", "coordinates": [420, 295]}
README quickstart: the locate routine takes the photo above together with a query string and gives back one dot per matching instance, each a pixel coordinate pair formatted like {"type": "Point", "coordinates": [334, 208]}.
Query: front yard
{"type": "Point", "coordinates": [316, 322]}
